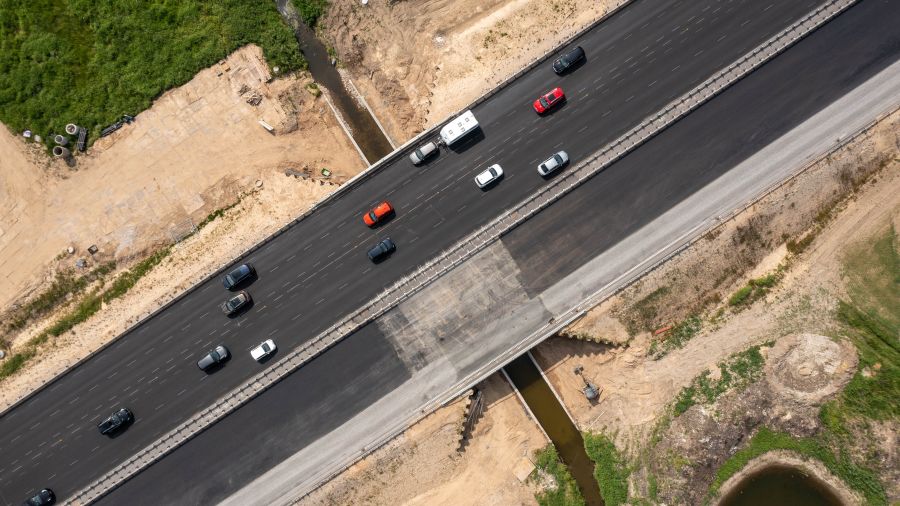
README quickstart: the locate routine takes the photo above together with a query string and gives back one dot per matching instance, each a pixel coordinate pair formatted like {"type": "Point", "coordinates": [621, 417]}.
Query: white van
{"type": "Point", "coordinates": [459, 127]}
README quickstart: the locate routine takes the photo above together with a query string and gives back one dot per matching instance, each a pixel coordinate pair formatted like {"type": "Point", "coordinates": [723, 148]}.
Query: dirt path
{"type": "Point", "coordinates": [189, 154]}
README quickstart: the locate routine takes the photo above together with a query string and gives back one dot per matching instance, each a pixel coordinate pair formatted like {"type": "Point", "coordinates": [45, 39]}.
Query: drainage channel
{"type": "Point", "coordinates": [363, 128]}
{"type": "Point", "coordinates": [556, 423]}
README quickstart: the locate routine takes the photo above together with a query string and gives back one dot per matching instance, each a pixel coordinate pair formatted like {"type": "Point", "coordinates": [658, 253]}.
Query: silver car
{"type": "Point", "coordinates": [553, 163]}
{"type": "Point", "coordinates": [214, 357]}
{"type": "Point", "coordinates": [422, 153]}
{"type": "Point", "coordinates": [493, 173]}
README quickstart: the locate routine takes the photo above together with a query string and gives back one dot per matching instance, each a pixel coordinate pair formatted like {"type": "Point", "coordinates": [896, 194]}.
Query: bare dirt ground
{"type": "Point", "coordinates": [423, 467]}
{"type": "Point", "coordinates": [416, 62]}
{"type": "Point", "coordinates": [188, 155]}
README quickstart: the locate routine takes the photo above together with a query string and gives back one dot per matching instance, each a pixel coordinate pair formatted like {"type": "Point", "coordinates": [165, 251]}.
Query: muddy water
{"type": "Point", "coordinates": [365, 131]}
{"type": "Point", "coordinates": [556, 423]}
{"type": "Point", "coordinates": [780, 486]}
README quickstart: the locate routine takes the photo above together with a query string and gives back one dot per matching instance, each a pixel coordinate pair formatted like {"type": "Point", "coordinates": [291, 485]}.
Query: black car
{"type": "Point", "coordinates": [568, 60]}
{"type": "Point", "coordinates": [236, 303]}
{"type": "Point", "coordinates": [240, 274]}
{"type": "Point", "coordinates": [214, 357]}
{"type": "Point", "coordinates": [382, 249]}
{"type": "Point", "coordinates": [42, 498]}
{"type": "Point", "coordinates": [116, 421]}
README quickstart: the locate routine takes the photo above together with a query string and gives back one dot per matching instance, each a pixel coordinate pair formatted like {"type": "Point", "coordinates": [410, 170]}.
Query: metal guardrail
{"type": "Point", "coordinates": [617, 285]}
{"type": "Point", "coordinates": [343, 189]}
{"type": "Point", "coordinates": [455, 255]}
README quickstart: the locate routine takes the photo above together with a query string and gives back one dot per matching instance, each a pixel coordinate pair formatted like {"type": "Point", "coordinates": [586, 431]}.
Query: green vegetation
{"type": "Point", "coordinates": [858, 478]}
{"type": "Point", "coordinates": [680, 334]}
{"type": "Point", "coordinates": [737, 371]}
{"type": "Point", "coordinates": [64, 285]}
{"type": "Point", "coordinates": [89, 62]}
{"type": "Point", "coordinates": [566, 492]}
{"type": "Point", "coordinates": [610, 469]}
{"type": "Point", "coordinates": [86, 308]}
{"type": "Point", "coordinates": [756, 289]}
{"type": "Point", "coordinates": [871, 320]}
{"type": "Point", "coordinates": [311, 10]}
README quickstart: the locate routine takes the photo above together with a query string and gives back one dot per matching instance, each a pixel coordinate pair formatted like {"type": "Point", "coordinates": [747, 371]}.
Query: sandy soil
{"type": "Point", "coordinates": [191, 153]}
{"type": "Point", "coordinates": [418, 61]}
{"type": "Point", "coordinates": [637, 388]}
{"type": "Point", "coordinates": [422, 466]}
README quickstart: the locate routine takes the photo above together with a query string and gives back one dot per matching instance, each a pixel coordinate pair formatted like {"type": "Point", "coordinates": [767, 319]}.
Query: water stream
{"type": "Point", "coordinates": [556, 423]}
{"type": "Point", "coordinates": [365, 131]}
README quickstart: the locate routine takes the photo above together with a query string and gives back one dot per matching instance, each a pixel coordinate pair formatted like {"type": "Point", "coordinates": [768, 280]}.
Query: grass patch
{"type": "Point", "coordinates": [757, 288]}
{"type": "Point", "coordinates": [86, 307]}
{"type": "Point", "coordinates": [566, 492]}
{"type": "Point", "coordinates": [90, 62]}
{"type": "Point", "coordinates": [610, 469]}
{"type": "Point", "coordinates": [737, 371]}
{"type": "Point", "coordinates": [871, 320]}
{"type": "Point", "coordinates": [311, 10]}
{"type": "Point", "coordinates": [859, 478]}
{"type": "Point", "coordinates": [680, 334]}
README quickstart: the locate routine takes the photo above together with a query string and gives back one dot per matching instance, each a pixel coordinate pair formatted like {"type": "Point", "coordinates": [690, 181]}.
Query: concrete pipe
{"type": "Point", "coordinates": [62, 140]}
{"type": "Point", "coordinates": [61, 152]}
{"type": "Point", "coordinates": [71, 129]}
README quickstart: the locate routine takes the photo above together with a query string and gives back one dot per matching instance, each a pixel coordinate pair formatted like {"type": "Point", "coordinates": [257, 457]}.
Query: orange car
{"type": "Point", "coordinates": [377, 214]}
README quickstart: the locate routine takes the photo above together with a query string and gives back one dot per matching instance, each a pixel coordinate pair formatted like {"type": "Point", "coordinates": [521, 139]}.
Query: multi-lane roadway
{"type": "Point", "coordinates": [317, 271]}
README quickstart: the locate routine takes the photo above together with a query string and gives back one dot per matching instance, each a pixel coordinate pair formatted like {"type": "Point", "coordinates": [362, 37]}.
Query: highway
{"type": "Point", "coordinates": [366, 367]}
{"type": "Point", "coordinates": [310, 276]}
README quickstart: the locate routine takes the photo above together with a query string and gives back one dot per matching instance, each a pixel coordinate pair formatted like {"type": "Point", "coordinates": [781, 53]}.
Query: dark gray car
{"type": "Point", "coordinates": [568, 60]}
{"type": "Point", "coordinates": [384, 248]}
{"type": "Point", "coordinates": [236, 303]}
{"type": "Point", "coordinates": [240, 274]}
{"type": "Point", "coordinates": [43, 498]}
{"type": "Point", "coordinates": [116, 421]}
{"type": "Point", "coordinates": [214, 357]}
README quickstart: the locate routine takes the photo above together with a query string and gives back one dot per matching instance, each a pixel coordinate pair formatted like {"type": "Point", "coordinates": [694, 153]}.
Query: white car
{"type": "Point", "coordinates": [262, 351]}
{"type": "Point", "coordinates": [553, 163]}
{"type": "Point", "coordinates": [493, 173]}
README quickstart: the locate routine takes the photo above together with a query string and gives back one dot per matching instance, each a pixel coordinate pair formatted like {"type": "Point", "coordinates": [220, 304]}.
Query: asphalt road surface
{"type": "Point", "coordinates": [638, 60]}
{"type": "Point", "coordinates": [633, 191]}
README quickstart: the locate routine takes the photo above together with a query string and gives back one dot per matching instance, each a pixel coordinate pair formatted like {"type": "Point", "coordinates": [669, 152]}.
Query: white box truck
{"type": "Point", "coordinates": [459, 127]}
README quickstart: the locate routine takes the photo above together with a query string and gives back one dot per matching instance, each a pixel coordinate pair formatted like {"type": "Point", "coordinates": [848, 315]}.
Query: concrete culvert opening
{"type": "Point", "coordinates": [61, 152]}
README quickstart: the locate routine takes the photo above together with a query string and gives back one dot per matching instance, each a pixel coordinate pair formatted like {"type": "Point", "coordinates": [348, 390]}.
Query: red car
{"type": "Point", "coordinates": [378, 213]}
{"type": "Point", "coordinates": [549, 100]}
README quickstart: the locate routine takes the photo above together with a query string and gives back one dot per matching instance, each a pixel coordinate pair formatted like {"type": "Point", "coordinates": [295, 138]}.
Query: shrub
{"type": "Point", "coordinates": [610, 470]}
{"type": "Point", "coordinates": [311, 10]}
{"type": "Point", "coordinates": [740, 296]}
